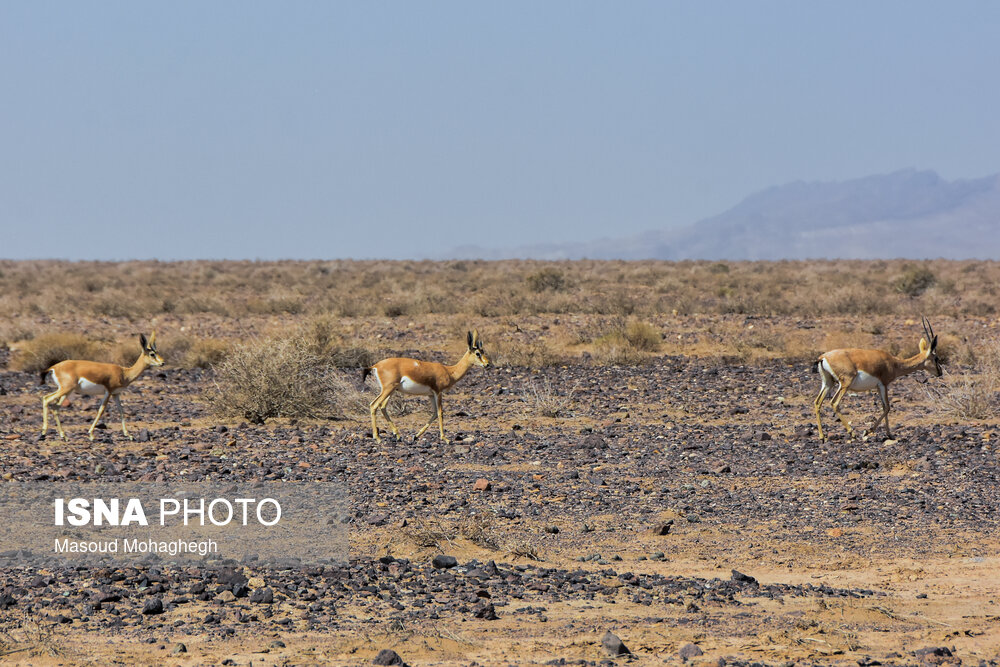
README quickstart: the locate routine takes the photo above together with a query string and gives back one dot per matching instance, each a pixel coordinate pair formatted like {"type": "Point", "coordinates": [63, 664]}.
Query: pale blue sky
{"type": "Point", "coordinates": [400, 129]}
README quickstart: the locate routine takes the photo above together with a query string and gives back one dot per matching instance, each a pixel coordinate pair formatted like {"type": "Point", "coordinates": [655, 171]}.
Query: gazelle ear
{"type": "Point", "coordinates": [475, 338]}
{"type": "Point", "coordinates": [468, 338]}
{"type": "Point", "coordinates": [143, 341]}
{"type": "Point", "coordinates": [923, 344]}
{"type": "Point", "coordinates": [152, 340]}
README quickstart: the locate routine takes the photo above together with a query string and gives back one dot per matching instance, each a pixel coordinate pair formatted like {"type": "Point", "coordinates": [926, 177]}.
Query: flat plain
{"type": "Point", "coordinates": [642, 458]}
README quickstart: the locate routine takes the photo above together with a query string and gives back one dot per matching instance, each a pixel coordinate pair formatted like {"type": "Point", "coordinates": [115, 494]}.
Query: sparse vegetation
{"type": "Point", "coordinates": [266, 378]}
{"type": "Point", "coordinates": [915, 280]}
{"type": "Point", "coordinates": [627, 343]}
{"type": "Point", "coordinates": [972, 392]}
{"type": "Point", "coordinates": [41, 352]}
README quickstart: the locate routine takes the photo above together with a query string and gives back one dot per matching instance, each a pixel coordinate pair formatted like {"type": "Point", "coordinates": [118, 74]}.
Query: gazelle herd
{"type": "Point", "coordinates": [853, 370]}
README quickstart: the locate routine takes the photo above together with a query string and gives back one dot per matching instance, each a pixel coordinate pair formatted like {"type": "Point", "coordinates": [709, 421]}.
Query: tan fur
{"type": "Point", "coordinates": [112, 377]}
{"type": "Point", "coordinates": [846, 364]}
{"type": "Point", "coordinates": [428, 376]}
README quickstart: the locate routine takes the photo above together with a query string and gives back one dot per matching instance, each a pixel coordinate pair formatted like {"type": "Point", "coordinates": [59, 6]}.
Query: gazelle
{"type": "Point", "coordinates": [425, 378]}
{"type": "Point", "coordinates": [93, 378]}
{"type": "Point", "coordinates": [862, 370]}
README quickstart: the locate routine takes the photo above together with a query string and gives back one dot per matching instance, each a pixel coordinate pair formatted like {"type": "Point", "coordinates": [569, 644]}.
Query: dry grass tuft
{"type": "Point", "coordinates": [533, 354]}
{"type": "Point", "coordinates": [627, 343]}
{"type": "Point", "coordinates": [974, 392]}
{"type": "Point", "coordinates": [41, 352]}
{"type": "Point", "coordinates": [548, 400]}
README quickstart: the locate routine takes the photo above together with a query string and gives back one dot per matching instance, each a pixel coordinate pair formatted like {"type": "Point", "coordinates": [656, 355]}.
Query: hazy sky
{"type": "Point", "coordinates": [401, 129]}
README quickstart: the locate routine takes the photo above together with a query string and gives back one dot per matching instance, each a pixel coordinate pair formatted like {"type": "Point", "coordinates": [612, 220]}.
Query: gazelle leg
{"type": "Point", "coordinates": [118, 404]}
{"type": "Point", "coordinates": [100, 412]}
{"type": "Point", "coordinates": [429, 421]}
{"type": "Point", "coordinates": [440, 411]}
{"type": "Point", "coordinates": [817, 404]}
{"type": "Point", "coordinates": [376, 404]}
{"type": "Point", "coordinates": [385, 413]}
{"type": "Point", "coordinates": [838, 397]}
{"type": "Point", "coordinates": [55, 397]}
{"type": "Point", "coordinates": [883, 394]}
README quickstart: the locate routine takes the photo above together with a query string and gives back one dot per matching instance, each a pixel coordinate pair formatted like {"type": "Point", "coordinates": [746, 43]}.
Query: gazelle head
{"type": "Point", "coordinates": [476, 349]}
{"type": "Point", "coordinates": [929, 349]}
{"type": "Point", "coordinates": [149, 349]}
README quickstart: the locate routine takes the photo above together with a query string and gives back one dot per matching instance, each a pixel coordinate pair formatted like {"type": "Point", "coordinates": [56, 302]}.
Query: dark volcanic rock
{"type": "Point", "coordinates": [739, 577]}
{"type": "Point", "coordinates": [153, 606]}
{"type": "Point", "coordinates": [444, 562]}
{"type": "Point", "coordinates": [388, 657]}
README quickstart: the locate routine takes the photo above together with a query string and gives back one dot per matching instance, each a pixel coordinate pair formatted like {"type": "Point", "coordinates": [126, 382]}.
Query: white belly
{"type": "Point", "coordinates": [89, 388]}
{"type": "Point", "coordinates": [408, 386]}
{"type": "Point", "coordinates": [864, 382]}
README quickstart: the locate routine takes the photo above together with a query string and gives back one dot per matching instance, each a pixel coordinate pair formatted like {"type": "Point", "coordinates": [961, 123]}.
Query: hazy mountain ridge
{"type": "Point", "coordinates": [908, 213]}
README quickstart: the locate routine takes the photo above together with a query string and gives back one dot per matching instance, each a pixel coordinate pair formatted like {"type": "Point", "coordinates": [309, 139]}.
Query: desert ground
{"type": "Point", "coordinates": [642, 459]}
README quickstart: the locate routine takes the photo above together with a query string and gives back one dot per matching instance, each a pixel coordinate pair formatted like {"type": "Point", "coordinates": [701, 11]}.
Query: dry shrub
{"type": "Point", "coordinates": [547, 279]}
{"type": "Point", "coordinates": [542, 398]}
{"type": "Point", "coordinates": [41, 352]}
{"type": "Point", "coordinates": [532, 354]}
{"type": "Point", "coordinates": [322, 338]}
{"type": "Point", "coordinates": [280, 377]}
{"type": "Point", "coordinates": [205, 353]}
{"type": "Point", "coordinates": [755, 346]}
{"type": "Point", "coordinates": [914, 281]}
{"type": "Point", "coordinates": [627, 343]}
{"type": "Point", "coordinates": [973, 392]}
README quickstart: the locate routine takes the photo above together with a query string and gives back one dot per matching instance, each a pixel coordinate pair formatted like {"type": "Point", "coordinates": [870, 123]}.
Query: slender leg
{"type": "Point", "coordinates": [385, 413]}
{"type": "Point", "coordinates": [817, 404]}
{"type": "Point", "coordinates": [100, 412]}
{"type": "Point", "coordinates": [55, 397]}
{"type": "Point", "coordinates": [883, 394]}
{"type": "Point", "coordinates": [376, 404]}
{"type": "Point", "coordinates": [118, 404]}
{"type": "Point", "coordinates": [430, 421]}
{"type": "Point", "coordinates": [440, 412]}
{"type": "Point", "coordinates": [838, 397]}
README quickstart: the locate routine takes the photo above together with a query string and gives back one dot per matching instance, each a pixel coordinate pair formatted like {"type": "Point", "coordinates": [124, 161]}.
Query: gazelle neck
{"type": "Point", "coordinates": [136, 369]}
{"type": "Point", "coordinates": [458, 371]}
{"type": "Point", "coordinates": [910, 364]}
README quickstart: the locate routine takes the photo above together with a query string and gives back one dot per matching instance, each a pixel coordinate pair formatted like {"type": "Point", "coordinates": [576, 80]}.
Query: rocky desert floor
{"type": "Point", "coordinates": [685, 505]}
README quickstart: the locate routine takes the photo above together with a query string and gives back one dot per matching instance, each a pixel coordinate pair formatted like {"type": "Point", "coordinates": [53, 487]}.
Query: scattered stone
{"type": "Point", "coordinates": [179, 648]}
{"type": "Point", "coordinates": [262, 596]}
{"type": "Point", "coordinates": [482, 484]}
{"type": "Point", "coordinates": [388, 657]}
{"type": "Point", "coordinates": [741, 578]}
{"type": "Point", "coordinates": [485, 611]}
{"type": "Point", "coordinates": [689, 651]}
{"type": "Point", "coordinates": [663, 528]}
{"type": "Point", "coordinates": [443, 562]}
{"type": "Point", "coordinates": [153, 606]}
{"type": "Point", "coordinates": [613, 645]}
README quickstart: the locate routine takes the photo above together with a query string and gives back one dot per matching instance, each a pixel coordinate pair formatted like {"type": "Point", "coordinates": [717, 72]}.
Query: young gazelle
{"type": "Point", "coordinates": [860, 370]}
{"type": "Point", "coordinates": [95, 379]}
{"type": "Point", "coordinates": [425, 378]}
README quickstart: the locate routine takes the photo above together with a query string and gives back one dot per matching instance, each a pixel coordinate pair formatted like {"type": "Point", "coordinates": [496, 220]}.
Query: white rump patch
{"type": "Point", "coordinates": [409, 386]}
{"type": "Point", "coordinates": [85, 386]}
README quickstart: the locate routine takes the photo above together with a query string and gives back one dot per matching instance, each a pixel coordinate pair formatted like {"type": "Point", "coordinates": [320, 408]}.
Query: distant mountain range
{"type": "Point", "coordinates": [906, 214]}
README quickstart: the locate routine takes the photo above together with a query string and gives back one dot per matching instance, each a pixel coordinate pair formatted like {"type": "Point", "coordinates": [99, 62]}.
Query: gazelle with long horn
{"type": "Point", "coordinates": [94, 378]}
{"type": "Point", "coordinates": [858, 370]}
{"type": "Point", "coordinates": [423, 378]}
